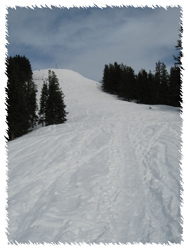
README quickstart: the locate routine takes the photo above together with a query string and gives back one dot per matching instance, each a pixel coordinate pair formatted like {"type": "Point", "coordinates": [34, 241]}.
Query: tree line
{"type": "Point", "coordinates": [145, 87]}
{"type": "Point", "coordinates": [21, 102]}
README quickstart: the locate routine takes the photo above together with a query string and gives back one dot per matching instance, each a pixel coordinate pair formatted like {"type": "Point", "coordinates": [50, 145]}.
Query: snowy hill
{"type": "Point", "coordinates": [109, 174]}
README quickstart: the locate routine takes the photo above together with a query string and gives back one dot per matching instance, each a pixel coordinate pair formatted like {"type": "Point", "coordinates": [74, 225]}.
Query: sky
{"type": "Point", "coordinates": [85, 39]}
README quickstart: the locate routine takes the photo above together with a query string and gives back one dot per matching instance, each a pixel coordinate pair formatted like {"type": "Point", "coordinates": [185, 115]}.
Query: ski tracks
{"type": "Point", "coordinates": [120, 201]}
{"type": "Point", "coordinates": [157, 149]}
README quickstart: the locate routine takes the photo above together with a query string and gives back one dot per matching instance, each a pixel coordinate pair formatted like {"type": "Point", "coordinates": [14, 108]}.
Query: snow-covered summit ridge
{"type": "Point", "coordinates": [66, 77]}
{"type": "Point", "coordinates": [109, 174]}
{"type": "Point", "coordinates": [82, 95]}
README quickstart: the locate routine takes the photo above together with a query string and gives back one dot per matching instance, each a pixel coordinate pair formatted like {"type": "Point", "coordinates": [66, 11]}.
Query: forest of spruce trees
{"type": "Point", "coordinates": [21, 102]}
{"type": "Point", "coordinates": [145, 87]}
{"type": "Point", "coordinates": [160, 87]}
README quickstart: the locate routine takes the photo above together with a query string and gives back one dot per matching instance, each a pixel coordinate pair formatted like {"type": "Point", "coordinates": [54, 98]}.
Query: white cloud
{"type": "Point", "coordinates": [86, 39]}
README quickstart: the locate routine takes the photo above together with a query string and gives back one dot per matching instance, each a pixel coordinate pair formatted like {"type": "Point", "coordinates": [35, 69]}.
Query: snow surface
{"type": "Point", "coordinates": [110, 174]}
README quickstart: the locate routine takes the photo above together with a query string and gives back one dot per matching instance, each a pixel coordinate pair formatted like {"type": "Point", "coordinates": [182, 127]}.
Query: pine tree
{"type": "Point", "coordinates": [142, 87]}
{"type": "Point", "coordinates": [55, 104]}
{"type": "Point", "coordinates": [164, 88]}
{"type": "Point", "coordinates": [20, 100]}
{"type": "Point", "coordinates": [128, 90]}
{"type": "Point", "coordinates": [111, 78]}
{"type": "Point", "coordinates": [52, 107]}
{"type": "Point", "coordinates": [175, 75]}
{"type": "Point", "coordinates": [175, 86]}
{"type": "Point", "coordinates": [105, 79]}
{"type": "Point", "coordinates": [161, 86]}
{"type": "Point", "coordinates": [179, 48]}
{"type": "Point", "coordinates": [31, 91]}
{"type": "Point", "coordinates": [151, 83]}
{"type": "Point", "coordinates": [43, 104]}
{"type": "Point", "coordinates": [116, 78]}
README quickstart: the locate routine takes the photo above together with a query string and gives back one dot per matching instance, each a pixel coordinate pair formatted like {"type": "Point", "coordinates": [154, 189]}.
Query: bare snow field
{"type": "Point", "coordinates": [110, 174]}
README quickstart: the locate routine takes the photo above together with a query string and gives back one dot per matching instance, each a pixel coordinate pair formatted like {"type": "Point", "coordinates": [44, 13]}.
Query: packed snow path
{"type": "Point", "coordinates": [110, 174]}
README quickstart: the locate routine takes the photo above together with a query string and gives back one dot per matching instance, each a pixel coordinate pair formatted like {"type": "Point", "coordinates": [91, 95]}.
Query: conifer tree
{"type": "Point", "coordinates": [43, 104]}
{"type": "Point", "coordinates": [175, 74]}
{"type": "Point", "coordinates": [164, 88]}
{"type": "Point", "coordinates": [178, 62]}
{"type": "Point", "coordinates": [175, 86]}
{"type": "Point", "coordinates": [151, 83]}
{"type": "Point", "coordinates": [161, 84]}
{"type": "Point", "coordinates": [128, 84]}
{"type": "Point", "coordinates": [21, 96]}
{"type": "Point", "coordinates": [52, 107]}
{"type": "Point", "coordinates": [116, 78]}
{"type": "Point", "coordinates": [105, 79]}
{"type": "Point", "coordinates": [111, 78]}
{"type": "Point", "coordinates": [31, 91]}
{"type": "Point", "coordinates": [142, 87]}
{"type": "Point", "coordinates": [55, 104]}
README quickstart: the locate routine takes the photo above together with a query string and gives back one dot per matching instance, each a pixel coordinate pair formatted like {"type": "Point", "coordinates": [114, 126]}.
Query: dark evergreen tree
{"type": "Point", "coordinates": [106, 79]}
{"type": "Point", "coordinates": [43, 104]}
{"type": "Point", "coordinates": [128, 90]}
{"type": "Point", "coordinates": [143, 88]}
{"type": "Point", "coordinates": [55, 104]}
{"type": "Point", "coordinates": [116, 78]}
{"type": "Point", "coordinates": [175, 87]}
{"type": "Point", "coordinates": [20, 100]}
{"type": "Point", "coordinates": [52, 107]}
{"type": "Point", "coordinates": [31, 91]}
{"type": "Point", "coordinates": [164, 87]}
{"type": "Point", "coordinates": [175, 74]}
{"type": "Point", "coordinates": [111, 78]}
{"type": "Point", "coordinates": [151, 87]}
{"type": "Point", "coordinates": [179, 48]}
{"type": "Point", "coordinates": [161, 86]}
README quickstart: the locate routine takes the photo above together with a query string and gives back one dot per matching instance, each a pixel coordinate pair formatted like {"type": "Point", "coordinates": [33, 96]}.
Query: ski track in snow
{"type": "Point", "coordinates": [110, 174]}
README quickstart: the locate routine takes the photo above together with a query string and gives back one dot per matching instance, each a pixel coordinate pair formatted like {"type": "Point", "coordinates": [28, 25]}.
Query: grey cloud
{"type": "Point", "coordinates": [86, 39]}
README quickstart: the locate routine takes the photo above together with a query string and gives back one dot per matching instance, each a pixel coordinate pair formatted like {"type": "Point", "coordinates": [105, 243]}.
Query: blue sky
{"type": "Point", "coordinates": [85, 39]}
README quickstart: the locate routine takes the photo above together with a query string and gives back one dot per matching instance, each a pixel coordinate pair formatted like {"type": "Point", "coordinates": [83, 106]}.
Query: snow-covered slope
{"type": "Point", "coordinates": [110, 174]}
